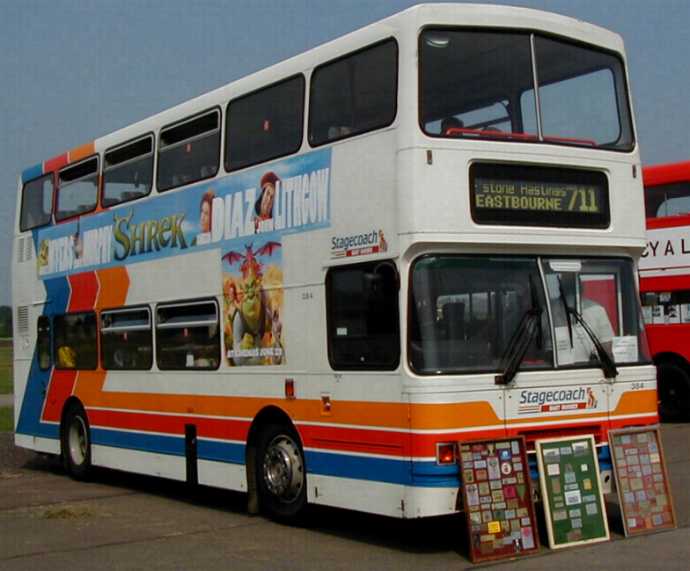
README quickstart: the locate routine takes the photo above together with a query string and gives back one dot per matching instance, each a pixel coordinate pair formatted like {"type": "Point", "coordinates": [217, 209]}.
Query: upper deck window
{"type": "Point", "coordinates": [77, 189]}
{"type": "Point", "coordinates": [37, 203]}
{"type": "Point", "coordinates": [481, 84]}
{"type": "Point", "coordinates": [354, 94]}
{"type": "Point", "coordinates": [265, 124]}
{"type": "Point", "coordinates": [672, 199]}
{"type": "Point", "coordinates": [128, 171]}
{"type": "Point", "coordinates": [189, 151]}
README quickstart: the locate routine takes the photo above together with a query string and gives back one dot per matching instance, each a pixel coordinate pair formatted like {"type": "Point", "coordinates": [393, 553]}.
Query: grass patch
{"type": "Point", "coordinates": [5, 368]}
{"type": "Point", "coordinates": [7, 419]}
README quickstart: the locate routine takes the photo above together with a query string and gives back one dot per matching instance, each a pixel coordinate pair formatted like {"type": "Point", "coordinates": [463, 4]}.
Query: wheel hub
{"type": "Point", "coordinates": [282, 469]}
{"type": "Point", "coordinates": [77, 441]}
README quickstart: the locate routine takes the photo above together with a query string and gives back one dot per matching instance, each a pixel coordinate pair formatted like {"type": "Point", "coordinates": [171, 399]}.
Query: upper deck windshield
{"type": "Point", "coordinates": [520, 86]}
{"type": "Point", "coordinates": [466, 310]}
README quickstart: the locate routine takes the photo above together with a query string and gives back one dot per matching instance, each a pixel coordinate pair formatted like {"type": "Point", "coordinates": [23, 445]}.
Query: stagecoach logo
{"type": "Point", "coordinates": [372, 242]}
{"type": "Point", "coordinates": [562, 400]}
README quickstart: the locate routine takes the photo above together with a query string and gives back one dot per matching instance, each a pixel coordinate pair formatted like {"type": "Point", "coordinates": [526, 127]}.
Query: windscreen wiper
{"type": "Point", "coordinates": [607, 363]}
{"type": "Point", "coordinates": [514, 354]}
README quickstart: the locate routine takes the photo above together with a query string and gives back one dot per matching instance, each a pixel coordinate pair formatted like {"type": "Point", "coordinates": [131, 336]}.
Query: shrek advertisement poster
{"type": "Point", "coordinates": [286, 197]}
{"type": "Point", "coordinates": [244, 216]}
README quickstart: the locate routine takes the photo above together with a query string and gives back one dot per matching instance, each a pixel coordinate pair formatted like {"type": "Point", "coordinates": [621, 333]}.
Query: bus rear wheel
{"type": "Point", "coordinates": [75, 440]}
{"type": "Point", "coordinates": [280, 473]}
{"type": "Point", "coordinates": [674, 393]}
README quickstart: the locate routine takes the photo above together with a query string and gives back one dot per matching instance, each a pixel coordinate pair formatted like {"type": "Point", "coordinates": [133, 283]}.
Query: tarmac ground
{"type": "Point", "coordinates": [125, 521]}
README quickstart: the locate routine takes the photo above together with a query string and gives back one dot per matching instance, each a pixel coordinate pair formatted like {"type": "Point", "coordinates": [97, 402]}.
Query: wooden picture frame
{"type": "Point", "coordinates": [642, 484]}
{"type": "Point", "coordinates": [497, 498]}
{"type": "Point", "coordinates": [571, 491]}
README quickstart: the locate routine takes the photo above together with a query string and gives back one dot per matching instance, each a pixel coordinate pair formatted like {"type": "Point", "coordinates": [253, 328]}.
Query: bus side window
{"type": "Point", "coordinates": [43, 343]}
{"type": "Point", "coordinates": [37, 203]}
{"type": "Point", "coordinates": [128, 171]}
{"type": "Point", "coordinates": [363, 322]}
{"type": "Point", "coordinates": [126, 339]}
{"type": "Point", "coordinates": [74, 341]}
{"type": "Point", "coordinates": [187, 335]}
{"type": "Point", "coordinates": [78, 189]}
{"type": "Point", "coordinates": [354, 94]}
{"type": "Point", "coordinates": [671, 199]}
{"type": "Point", "coordinates": [189, 151]}
{"type": "Point", "coordinates": [265, 124]}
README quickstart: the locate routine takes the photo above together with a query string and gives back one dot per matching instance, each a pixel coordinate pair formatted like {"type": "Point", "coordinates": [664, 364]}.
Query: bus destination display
{"type": "Point", "coordinates": [538, 196]}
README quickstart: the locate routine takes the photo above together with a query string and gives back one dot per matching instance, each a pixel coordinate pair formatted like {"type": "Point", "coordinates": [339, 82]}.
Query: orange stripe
{"type": "Point", "coordinates": [455, 415]}
{"type": "Point", "coordinates": [82, 152]}
{"type": "Point", "coordinates": [114, 286]}
{"type": "Point", "coordinates": [636, 402]}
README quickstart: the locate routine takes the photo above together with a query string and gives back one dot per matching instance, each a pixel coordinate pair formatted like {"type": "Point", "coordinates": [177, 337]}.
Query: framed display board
{"type": "Point", "coordinates": [644, 492]}
{"type": "Point", "coordinates": [497, 497]}
{"type": "Point", "coordinates": [571, 491]}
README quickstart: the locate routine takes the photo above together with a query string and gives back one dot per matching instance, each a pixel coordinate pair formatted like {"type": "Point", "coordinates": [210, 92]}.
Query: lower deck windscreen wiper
{"type": "Point", "coordinates": [519, 343]}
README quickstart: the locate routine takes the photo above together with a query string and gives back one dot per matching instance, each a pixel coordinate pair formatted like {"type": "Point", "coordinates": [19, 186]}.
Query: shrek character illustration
{"type": "Point", "coordinates": [252, 317]}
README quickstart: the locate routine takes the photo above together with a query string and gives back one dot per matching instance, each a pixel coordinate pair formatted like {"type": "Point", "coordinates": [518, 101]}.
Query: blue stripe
{"type": "Point", "coordinates": [228, 452]}
{"type": "Point", "coordinates": [221, 451]}
{"type": "Point", "coordinates": [173, 445]}
{"type": "Point", "coordinates": [32, 172]}
{"type": "Point", "coordinates": [426, 474]}
{"type": "Point", "coordinates": [57, 296]}
{"type": "Point", "coordinates": [359, 468]}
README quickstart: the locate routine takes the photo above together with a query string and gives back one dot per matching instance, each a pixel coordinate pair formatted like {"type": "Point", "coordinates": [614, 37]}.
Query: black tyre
{"type": "Point", "coordinates": [281, 476]}
{"type": "Point", "coordinates": [673, 392]}
{"type": "Point", "coordinates": [75, 440]}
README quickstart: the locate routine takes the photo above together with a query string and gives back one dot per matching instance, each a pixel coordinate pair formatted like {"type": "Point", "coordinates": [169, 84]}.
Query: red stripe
{"type": "Point", "coordinates": [226, 429]}
{"type": "Point", "coordinates": [61, 386]}
{"type": "Point", "coordinates": [55, 163]}
{"type": "Point", "coordinates": [84, 291]}
{"type": "Point", "coordinates": [363, 441]}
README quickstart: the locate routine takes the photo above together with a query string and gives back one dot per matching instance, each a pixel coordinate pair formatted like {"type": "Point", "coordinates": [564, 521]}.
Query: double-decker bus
{"type": "Point", "coordinates": [665, 283]}
{"type": "Point", "coordinates": [311, 283]}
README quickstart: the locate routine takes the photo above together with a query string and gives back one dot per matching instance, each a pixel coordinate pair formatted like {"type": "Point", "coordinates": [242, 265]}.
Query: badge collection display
{"type": "Point", "coordinates": [499, 503]}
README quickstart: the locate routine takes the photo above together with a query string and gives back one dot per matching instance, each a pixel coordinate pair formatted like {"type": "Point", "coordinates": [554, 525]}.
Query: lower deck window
{"type": "Point", "coordinates": [187, 336]}
{"type": "Point", "coordinates": [74, 342]}
{"type": "Point", "coordinates": [126, 339]}
{"type": "Point", "coordinates": [43, 343]}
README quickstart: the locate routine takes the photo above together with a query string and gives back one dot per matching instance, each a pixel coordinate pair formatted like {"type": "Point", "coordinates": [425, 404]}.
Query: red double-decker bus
{"type": "Point", "coordinates": [665, 283]}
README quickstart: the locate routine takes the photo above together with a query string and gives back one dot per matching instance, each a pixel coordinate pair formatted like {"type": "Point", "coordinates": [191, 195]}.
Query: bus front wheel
{"type": "Point", "coordinates": [75, 442]}
{"type": "Point", "coordinates": [280, 473]}
{"type": "Point", "coordinates": [674, 392]}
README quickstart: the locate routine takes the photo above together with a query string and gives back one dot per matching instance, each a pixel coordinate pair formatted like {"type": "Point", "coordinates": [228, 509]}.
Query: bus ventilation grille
{"type": "Point", "coordinates": [23, 320]}
{"type": "Point", "coordinates": [25, 249]}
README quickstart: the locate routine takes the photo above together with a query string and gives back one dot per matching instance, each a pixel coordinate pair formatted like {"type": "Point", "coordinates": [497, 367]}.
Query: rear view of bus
{"type": "Point", "coordinates": [422, 233]}
{"type": "Point", "coordinates": [665, 283]}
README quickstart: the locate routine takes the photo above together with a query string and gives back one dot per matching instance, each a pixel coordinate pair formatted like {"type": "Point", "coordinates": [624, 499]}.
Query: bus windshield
{"type": "Point", "coordinates": [481, 84]}
{"type": "Point", "coordinates": [465, 311]}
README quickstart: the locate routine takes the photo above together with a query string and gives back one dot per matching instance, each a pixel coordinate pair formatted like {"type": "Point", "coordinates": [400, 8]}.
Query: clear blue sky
{"type": "Point", "coordinates": [74, 70]}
